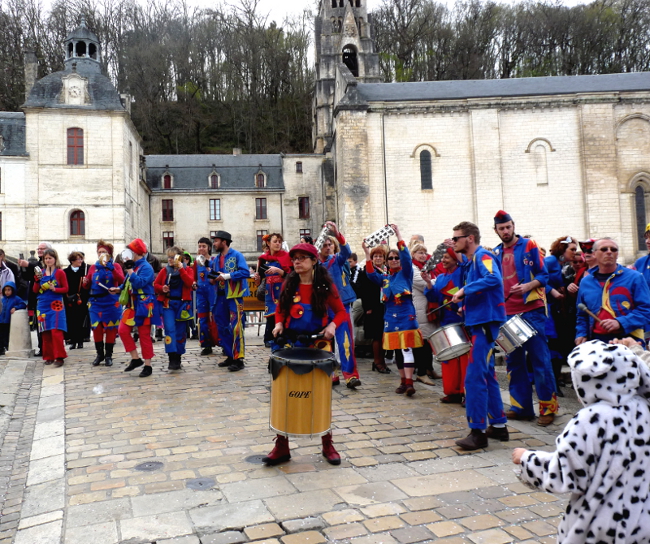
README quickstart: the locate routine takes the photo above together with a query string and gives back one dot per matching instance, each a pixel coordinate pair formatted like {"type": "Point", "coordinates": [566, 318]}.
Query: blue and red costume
{"type": "Point", "coordinates": [529, 266]}
{"type": "Point", "coordinates": [176, 305]}
{"type": "Point", "coordinates": [339, 268]}
{"type": "Point", "coordinates": [484, 310]}
{"type": "Point", "coordinates": [50, 313]}
{"type": "Point", "coordinates": [623, 296]}
{"type": "Point", "coordinates": [229, 304]}
{"type": "Point", "coordinates": [206, 297]}
{"type": "Point", "coordinates": [642, 265]}
{"type": "Point", "coordinates": [445, 287]}
{"type": "Point", "coordinates": [104, 308]}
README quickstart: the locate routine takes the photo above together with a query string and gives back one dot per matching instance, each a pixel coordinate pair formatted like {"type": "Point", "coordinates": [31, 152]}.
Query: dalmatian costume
{"type": "Point", "coordinates": [603, 455]}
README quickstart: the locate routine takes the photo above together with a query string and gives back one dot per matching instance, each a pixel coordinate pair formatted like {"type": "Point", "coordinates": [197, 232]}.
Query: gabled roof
{"type": "Point", "coordinates": [488, 88]}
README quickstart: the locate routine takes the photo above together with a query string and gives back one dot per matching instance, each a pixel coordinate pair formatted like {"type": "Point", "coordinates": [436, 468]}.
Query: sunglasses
{"type": "Point", "coordinates": [606, 249]}
{"type": "Point", "coordinates": [392, 259]}
{"type": "Point", "coordinates": [456, 238]}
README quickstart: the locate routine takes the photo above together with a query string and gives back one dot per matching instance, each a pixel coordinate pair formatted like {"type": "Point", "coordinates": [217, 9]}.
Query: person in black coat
{"type": "Point", "coordinates": [76, 301]}
{"type": "Point", "coordinates": [27, 275]}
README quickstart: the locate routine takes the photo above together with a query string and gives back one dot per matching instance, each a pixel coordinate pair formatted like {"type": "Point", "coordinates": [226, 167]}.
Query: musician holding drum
{"type": "Point", "coordinates": [400, 322]}
{"type": "Point", "coordinates": [524, 286]}
{"type": "Point", "coordinates": [441, 293]}
{"type": "Point", "coordinates": [484, 313]}
{"type": "Point", "coordinates": [307, 300]}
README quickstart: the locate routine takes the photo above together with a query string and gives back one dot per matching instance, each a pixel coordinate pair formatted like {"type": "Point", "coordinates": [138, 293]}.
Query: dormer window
{"type": "Point", "coordinates": [260, 180]}
{"type": "Point", "coordinates": [213, 180]}
{"type": "Point", "coordinates": [167, 181]}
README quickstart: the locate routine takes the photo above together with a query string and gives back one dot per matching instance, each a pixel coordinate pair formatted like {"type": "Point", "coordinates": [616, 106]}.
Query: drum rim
{"type": "Point", "coordinates": [330, 356]}
{"type": "Point", "coordinates": [296, 435]}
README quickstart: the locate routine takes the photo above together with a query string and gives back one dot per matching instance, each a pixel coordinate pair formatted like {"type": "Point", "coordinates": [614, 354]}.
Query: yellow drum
{"type": "Point", "coordinates": [301, 391]}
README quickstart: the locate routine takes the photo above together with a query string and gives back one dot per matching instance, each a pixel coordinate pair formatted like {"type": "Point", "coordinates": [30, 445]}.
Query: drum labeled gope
{"type": "Point", "coordinates": [301, 391]}
{"type": "Point", "coordinates": [514, 333]}
{"type": "Point", "coordinates": [450, 342]}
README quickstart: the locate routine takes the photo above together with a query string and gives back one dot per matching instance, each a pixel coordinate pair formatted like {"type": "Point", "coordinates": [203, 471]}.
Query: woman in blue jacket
{"type": "Point", "coordinates": [400, 322]}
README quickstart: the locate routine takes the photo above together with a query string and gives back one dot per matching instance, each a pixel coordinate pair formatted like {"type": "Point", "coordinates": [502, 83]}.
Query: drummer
{"type": "Point", "coordinates": [401, 330]}
{"type": "Point", "coordinates": [307, 296]}
{"type": "Point", "coordinates": [440, 293]}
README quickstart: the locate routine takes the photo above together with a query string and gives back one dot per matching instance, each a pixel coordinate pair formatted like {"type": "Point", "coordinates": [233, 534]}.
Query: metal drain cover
{"type": "Point", "coordinates": [149, 466]}
{"type": "Point", "coordinates": [200, 483]}
{"type": "Point", "coordinates": [255, 459]}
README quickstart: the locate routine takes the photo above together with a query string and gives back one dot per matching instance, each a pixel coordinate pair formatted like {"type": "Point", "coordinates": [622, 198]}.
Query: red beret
{"type": "Point", "coordinates": [138, 246]}
{"type": "Point", "coordinates": [309, 249]}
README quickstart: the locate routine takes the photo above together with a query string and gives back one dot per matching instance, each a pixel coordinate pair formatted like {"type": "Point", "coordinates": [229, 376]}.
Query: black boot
{"type": "Point", "coordinates": [99, 347]}
{"type": "Point", "coordinates": [135, 363]}
{"type": "Point", "coordinates": [557, 372]}
{"type": "Point", "coordinates": [109, 354]}
{"type": "Point", "coordinates": [475, 440]}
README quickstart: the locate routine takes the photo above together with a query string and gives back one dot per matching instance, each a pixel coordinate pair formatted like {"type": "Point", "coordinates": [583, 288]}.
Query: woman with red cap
{"type": "Point", "coordinates": [441, 292]}
{"type": "Point", "coordinates": [141, 307]}
{"type": "Point", "coordinates": [400, 321]}
{"type": "Point", "coordinates": [307, 298]}
{"type": "Point", "coordinates": [104, 307]}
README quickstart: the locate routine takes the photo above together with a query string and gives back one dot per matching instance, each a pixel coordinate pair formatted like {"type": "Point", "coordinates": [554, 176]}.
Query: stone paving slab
{"type": "Point", "coordinates": [402, 479]}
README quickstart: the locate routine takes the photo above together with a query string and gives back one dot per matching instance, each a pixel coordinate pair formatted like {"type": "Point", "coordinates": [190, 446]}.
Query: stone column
{"type": "Point", "coordinates": [20, 337]}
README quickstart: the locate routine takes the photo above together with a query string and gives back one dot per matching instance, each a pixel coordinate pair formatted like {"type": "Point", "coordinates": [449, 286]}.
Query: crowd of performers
{"type": "Point", "coordinates": [566, 298]}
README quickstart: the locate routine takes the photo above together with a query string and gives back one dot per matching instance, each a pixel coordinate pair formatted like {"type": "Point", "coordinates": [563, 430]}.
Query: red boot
{"type": "Point", "coordinates": [329, 452]}
{"type": "Point", "coordinates": [280, 453]}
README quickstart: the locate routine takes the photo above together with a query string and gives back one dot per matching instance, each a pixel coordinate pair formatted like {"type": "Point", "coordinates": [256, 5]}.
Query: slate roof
{"type": "Point", "coordinates": [12, 130]}
{"type": "Point", "coordinates": [237, 172]}
{"type": "Point", "coordinates": [103, 95]}
{"type": "Point", "coordinates": [486, 88]}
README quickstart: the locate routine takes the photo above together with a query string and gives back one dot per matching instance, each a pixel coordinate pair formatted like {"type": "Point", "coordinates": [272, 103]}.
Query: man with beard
{"type": "Point", "coordinates": [524, 282]}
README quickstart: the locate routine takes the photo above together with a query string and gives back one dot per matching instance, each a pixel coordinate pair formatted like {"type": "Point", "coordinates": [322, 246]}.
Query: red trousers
{"type": "Point", "coordinates": [98, 334]}
{"type": "Point", "coordinates": [53, 346]}
{"type": "Point", "coordinates": [145, 339]}
{"type": "Point", "coordinates": [453, 375]}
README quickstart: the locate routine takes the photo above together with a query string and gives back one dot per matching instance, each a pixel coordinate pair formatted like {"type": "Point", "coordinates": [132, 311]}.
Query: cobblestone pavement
{"type": "Point", "coordinates": [77, 439]}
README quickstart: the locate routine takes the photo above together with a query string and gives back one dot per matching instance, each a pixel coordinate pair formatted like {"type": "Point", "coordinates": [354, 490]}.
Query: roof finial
{"type": "Point", "coordinates": [83, 21]}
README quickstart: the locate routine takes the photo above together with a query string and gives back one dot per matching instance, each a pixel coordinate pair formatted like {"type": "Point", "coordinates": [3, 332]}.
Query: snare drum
{"type": "Point", "coordinates": [449, 342]}
{"type": "Point", "coordinates": [514, 333]}
{"type": "Point", "coordinates": [301, 391]}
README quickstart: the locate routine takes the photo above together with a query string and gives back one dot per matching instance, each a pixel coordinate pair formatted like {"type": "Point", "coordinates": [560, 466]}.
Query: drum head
{"type": "Point", "coordinates": [302, 361]}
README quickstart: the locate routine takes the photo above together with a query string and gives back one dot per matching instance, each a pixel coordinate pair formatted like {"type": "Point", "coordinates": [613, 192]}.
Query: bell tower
{"type": "Point", "coordinates": [343, 35]}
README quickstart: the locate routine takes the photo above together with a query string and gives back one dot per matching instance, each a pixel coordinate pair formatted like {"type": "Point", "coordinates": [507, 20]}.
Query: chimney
{"type": "Point", "coordinates": [31, 71]}
{"type": "Point", "coordinates": [236, 150]}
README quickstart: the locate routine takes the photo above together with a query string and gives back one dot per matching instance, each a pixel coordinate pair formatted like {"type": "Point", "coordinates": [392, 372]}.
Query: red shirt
{"type": "Point", "coordinates": [333, 302]}
{"type": "Point", "coordinates": [515, 303]}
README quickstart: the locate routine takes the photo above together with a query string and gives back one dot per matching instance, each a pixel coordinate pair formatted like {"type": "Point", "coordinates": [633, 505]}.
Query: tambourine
{"type": "Point", "coordinates": [104, 258]}
{"type": "Point", "coordinates": [200, 260]}
{"type": "Point", "coordinates": [178, 261]}
{"type": "Point", "coordinates": [429, 265]}
{"type": "Point", "coordinates": [38, 272]}
{"type": "Point", "coordinates": [321, 238]}
{"type": "Point", "coordinates": [379, 236]}
{"type": "Point", "coordinates": [127, 255]}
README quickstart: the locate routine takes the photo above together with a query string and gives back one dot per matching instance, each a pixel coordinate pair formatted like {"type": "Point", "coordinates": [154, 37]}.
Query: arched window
{"type": "Point", "coordinates": [350, 59]}
{"type": "Point", "coordinates": [75, 146]}
{"type": "Point", "coordinates": [214, 180]}
{"type": "Point", "coordinates": [426, 178]}
{"type": "Point", "coordinates": [80, 49]}
{"type": "Point", "coordinates": [77, 223]}
{"type": "Point", "coordinates": [540, 163]}
{"type": "Point", "coordinates": [260, 180]}
{"type": "Point", "coordinates": [334, 3]}
{"type": "Point", "coordinates": [167, 181]}
{"type": "Point", "coordinates": [641, 217]}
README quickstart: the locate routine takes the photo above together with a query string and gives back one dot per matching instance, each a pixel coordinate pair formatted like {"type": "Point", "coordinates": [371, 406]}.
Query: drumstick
{"type": "Point", "coordinates": [584, 308]}
{"type": "Point", "coordinates": [510, 293]}
{"type": "Point", "coordinates": [440, 307]}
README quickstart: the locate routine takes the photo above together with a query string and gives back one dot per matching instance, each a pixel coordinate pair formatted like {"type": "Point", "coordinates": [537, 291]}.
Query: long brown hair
{"type": "Point", "coordinates": [322, 288]}
{"type": "Point", "coordinates": [52, 253]}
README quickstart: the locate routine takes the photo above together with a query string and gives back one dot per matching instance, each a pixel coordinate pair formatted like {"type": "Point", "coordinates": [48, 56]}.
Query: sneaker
{"type": "Point", "coordinates": [146, 371]}
{"type": "Point", "coordinates": [498, 433]}
{"type": "Point", "coordinates": [401, 389]}
{"type": "Point", "coordinates": [135, 363]}
{"type": "Point", "coordinates": [475, 440]}
{"type": "Point", "coordinates": [545, 421]}
{"type": "Point", "coordinates": [353, 382]}
{"type": "Point", "coordinates": [427, 380]}
{"type": "Point", "coordinates": [206, 351]}
{"type": "Point", "coordinates": [517, 416]}
{"type": "Point", "coordinates": [238, 364]}
{"type": "Point", "coordinates": [229, 361]}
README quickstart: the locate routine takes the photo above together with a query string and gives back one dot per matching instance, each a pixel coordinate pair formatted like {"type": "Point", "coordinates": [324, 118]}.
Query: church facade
{"type": "Point", "coordinates": [563, 155]}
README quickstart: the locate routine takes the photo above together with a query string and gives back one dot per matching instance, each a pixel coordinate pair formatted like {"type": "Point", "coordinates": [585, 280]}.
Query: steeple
{"type": "Point", "coordinates": [82, 50]}
{"type": "Point", "coordinates": [343, 34]}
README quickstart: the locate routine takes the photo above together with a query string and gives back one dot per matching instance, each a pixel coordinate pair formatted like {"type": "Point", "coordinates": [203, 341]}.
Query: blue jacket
{"type": "Point", "coordinates": [400, 284]}
{"type": "Point", "coordinates": [530, 266]}
{"type": "Point", "coordinates": [625, 297]}
{"type": "Point", "coordinates": [445, 287]}
{"type": "Point", "coordinates": [554, 269]}
{"type": "Point", "coordinates": [483, 288]}
{"type": "Point", "coordinates": [235, 265]}
{"type": "Point", "coordinates": [642, 265]}
{"type": "Point", "coordinates": [14, 301]}
{"type": "Point", "coordinates": [339, 268]}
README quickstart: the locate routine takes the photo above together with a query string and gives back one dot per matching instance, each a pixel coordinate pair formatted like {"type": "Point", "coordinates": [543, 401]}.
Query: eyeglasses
{"type": "Point", "coordinates": [456, 238]}
{"type": "Point", "coordinates": [299, 258]}
{"type": "Point", "coordinates": [606, 249]}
